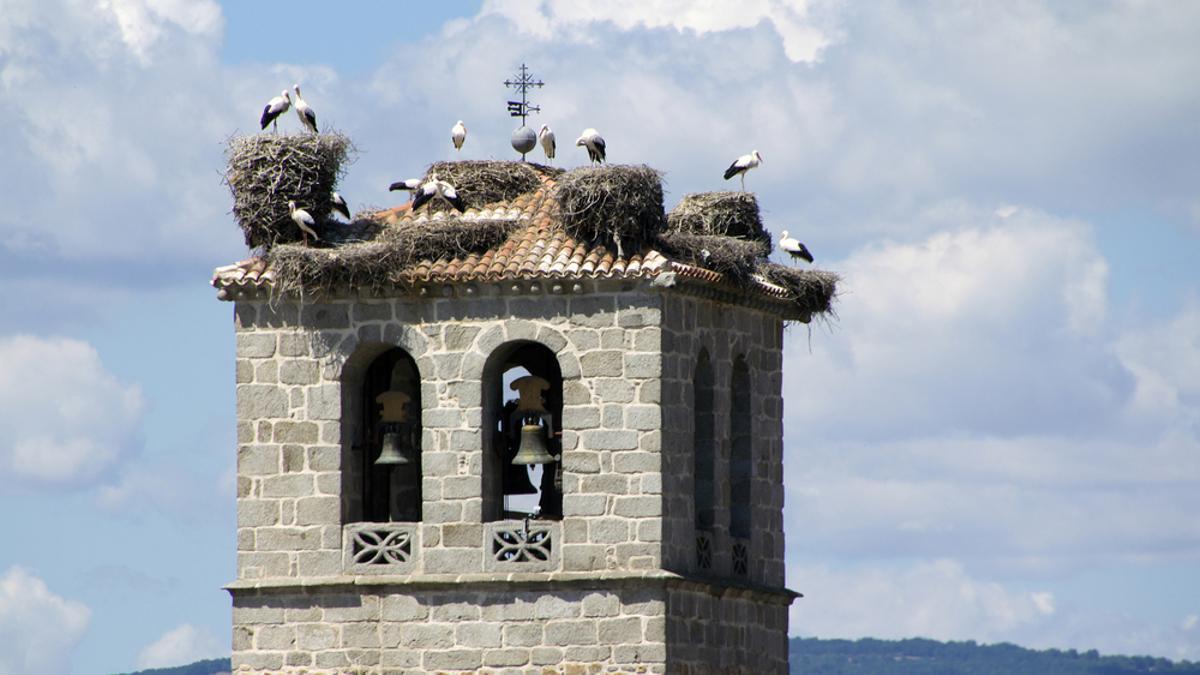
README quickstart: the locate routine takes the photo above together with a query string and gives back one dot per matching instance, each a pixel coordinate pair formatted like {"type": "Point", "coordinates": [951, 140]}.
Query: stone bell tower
{"type": "Point", "coordinates": [382, 524]}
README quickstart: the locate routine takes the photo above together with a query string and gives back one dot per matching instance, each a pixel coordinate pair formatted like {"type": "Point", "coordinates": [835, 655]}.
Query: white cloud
{"type": "Point", "coordinates": [64, 419]}
{"type": "Point", "coordinates": [940, 599]}
{"type": "Point", "coordinates": [1165, 359]}
{"type": "Point", "coordinates": [993, 327]}
{"type": "Point", "coordinates": [180, 645]}
{"type": "Point", "coordinates": [975, 401]}
{"type": "Point", "coordinates": [39, 629]}
{"type": "Point", "coordinates": [88, 88]}
{"type": "Point", "coordinates": [935, 599]}
{"type": "Point", "coordinates": [803, 38]}
{"type": "Point", "coordinates": [144, 22]}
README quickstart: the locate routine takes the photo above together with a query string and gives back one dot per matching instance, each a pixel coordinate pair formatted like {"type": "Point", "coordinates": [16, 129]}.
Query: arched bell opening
{"type": "Point", "coordinates": [704, 444]}
{"type": "Point", "coordinates": [741, 456]}
{"type": "Point", "coordinates": [522, 412]}
{"type": "Point", "coordinates": [384, 468]}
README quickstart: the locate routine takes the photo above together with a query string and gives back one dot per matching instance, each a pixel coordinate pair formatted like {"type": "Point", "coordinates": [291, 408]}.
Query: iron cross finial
{"type": "Point", "coordinates": [522, 83]}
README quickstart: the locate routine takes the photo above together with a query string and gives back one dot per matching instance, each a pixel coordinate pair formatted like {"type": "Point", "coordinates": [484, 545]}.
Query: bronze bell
{"type": "Point", "coordinates": [393, 453]}
{"type": "Point", "coordinates": [532, 449]}
{"type": "Point", "coordinates": [516, 480]}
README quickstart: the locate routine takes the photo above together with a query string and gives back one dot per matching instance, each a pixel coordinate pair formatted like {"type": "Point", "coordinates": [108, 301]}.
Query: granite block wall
{"type": "Point", "coordinates": [296, 387]}
{"type": "Point", "coordinates": [608, 599]}
{"type": "Point", "coordinates": [724, 331]}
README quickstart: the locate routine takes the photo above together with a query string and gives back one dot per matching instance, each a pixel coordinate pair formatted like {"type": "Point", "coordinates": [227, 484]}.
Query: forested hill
{"type": "Point", "coordinates": [812, 656]}
{"type": "Point", "coordinates": [208, 667]}
{"type": "Point", "coordinates": [906, 657]}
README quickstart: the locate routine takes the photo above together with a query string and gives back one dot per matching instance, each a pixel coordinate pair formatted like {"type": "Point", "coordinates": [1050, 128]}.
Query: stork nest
{"type": "Point", "coordinates": [814, 290]}
{"type": "Point", "coordinates": [737, 258]}
{"type": "Point", "coordinates": [620, 204]}
{"type": "Point", "coordinates": [729, 214]}
{"type": "Point", "coordinates": [482, 182]}
{"type": "Point", "coordinates": [265, 171]}
{"type": "Point", "coordinates": [380, 261]}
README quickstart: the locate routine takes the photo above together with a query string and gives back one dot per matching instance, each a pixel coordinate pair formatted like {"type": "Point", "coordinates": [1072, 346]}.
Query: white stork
{"type": "Point", "coordinates": [434, 188]}
{"type": "Point", "coordinates": [410, 184]}
{"type": "Point", "coordinates": [304, 111]}
{"type": "Point", "coordinates": [743, 164]}
{"type": "Point", "coordinates": [794, 248]}
{"type": "Point", "coordinates": [546, 137]}
{"type": "Point", "coordinates": [274, 108]}
{"type": "Point", "coordinates": [594, 142]}
{"type": "Point", "coordinates": [304, 221]}
{"type": "Point", "coordinates": [339, 205]}
{"type": "Point", "coordinates": [451, 195]}
{"type": "Point", "coordinates": [458, 135]}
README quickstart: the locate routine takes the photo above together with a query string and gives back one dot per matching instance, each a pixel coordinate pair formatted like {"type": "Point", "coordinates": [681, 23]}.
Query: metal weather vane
{"type": "Point", "coordinates": [523, 139]}
{"type": "Point", "coordinates": [522, 83]}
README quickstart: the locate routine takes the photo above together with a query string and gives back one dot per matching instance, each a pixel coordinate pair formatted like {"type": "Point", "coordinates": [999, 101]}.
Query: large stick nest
{"type": "Point", "coordinates": [618, 204]}
{"type": "Point", "coordinates": [720, 231]}
{"type": "Point", "coordinates": [737, 258]}
{"type": "Point", "coordinates": [482, 182]}
{"type": "Point", "coordinates": [729, 214]}
{"type": "Point", "coordinates": [266, 170]}
{"type": "Point", "coordinates": [813, 290]}
{"type": "Point", "coordinates": [378, 264]}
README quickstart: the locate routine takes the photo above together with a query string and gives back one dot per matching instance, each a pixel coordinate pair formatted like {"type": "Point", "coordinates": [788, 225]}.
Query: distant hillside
{"type": "Point", "coordinates": [812, 656]}
{"type": "Point", "coordinates": [208, 667]}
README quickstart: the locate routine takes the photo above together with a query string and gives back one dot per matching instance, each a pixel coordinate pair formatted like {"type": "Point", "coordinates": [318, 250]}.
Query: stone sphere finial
{"type": "Point", "coordinates": [523, 139]}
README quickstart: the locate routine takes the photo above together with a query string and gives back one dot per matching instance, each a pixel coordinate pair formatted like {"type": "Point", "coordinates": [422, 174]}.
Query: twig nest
{"type": "Point", "coordinates": [735, 257]}
{"type": "Point", "coordinates": [813, 290]}
{"type": "Point", "coordinates": [482, 182]}
{"type": "Point", "coordinates": [612, 203]}
{"type": "Point", "coordinates": [728, 214]}
{"type": "Point", "coordinates": [265, 171]}
{"type": "Point", "coordinates": [380, 263]}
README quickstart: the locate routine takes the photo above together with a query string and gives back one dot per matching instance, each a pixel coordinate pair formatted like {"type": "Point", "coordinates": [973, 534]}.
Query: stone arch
{"type": "Point", "coordinates": [502, 417]}
{"type": "Point", "coordinates": [704, 443]}
{"type": "Point", "coordinates": [373, 492]}
{"type": "Point", "coordinates": [741, 455]}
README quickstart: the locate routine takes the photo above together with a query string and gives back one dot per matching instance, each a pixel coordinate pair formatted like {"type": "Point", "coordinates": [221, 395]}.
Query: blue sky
{"type": "Point", "coordinates": [998, 438]}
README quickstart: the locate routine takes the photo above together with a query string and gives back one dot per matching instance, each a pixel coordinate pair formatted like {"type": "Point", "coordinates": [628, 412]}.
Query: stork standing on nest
{"type": "Point", "coordinates": [546, 136]}
{"type": "Point", "coordinates": [434, 188]}
{"type": "Point", "coordinates": [274, 108]}
{"type": "Point", "coordinates": [594, 142]}
{"type": "Point", "coordinates": [743, 164]}
{"type": "Point", "coordinates": [458, 135]}
{"type": "Point", "coordinates": [305, 112]}
{"type": "Point", "coordinates": [304, 221]}
{"type": "Point", "coordinates": [339, 205]}
{"type": "Point", "coordinates": [794, 248]}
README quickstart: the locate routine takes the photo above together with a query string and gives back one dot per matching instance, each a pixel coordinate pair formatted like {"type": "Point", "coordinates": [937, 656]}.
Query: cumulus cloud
{"type": "Point", "coordinates": [144, 23]}
{"type": "Point", "coordinates": [64, 419]}
{"type": "Point", "coordinates": [991, 328]}
{"type": "Point", "coordinates": [804, 33]}
{"type": "Point", "coordinates": [87, 87]}
{"type": "Point", "coordinates": [180, 645]}
{"type": "Point", "coordinates": [976, 402]}
{"type": "Point", "coordinates": [935, 599]}
{"type": "Point", "coordinates": [39, 629]}
{"type": "Point", "coordinates": [942, 600]}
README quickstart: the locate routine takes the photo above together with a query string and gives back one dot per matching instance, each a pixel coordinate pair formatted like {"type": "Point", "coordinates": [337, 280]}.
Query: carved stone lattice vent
{"type": "Point", "coordinates": [741, 558]}
{"type": "Point", "coordinates": [703, 551]}
{"type": "Point", "coordinates": [516, 545]}
{"type": "Point", "coordinates": [381, 547]}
